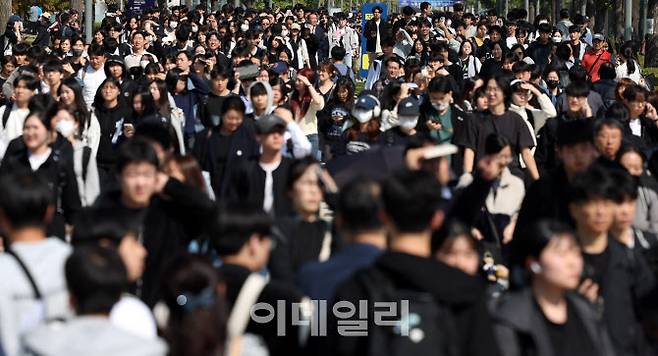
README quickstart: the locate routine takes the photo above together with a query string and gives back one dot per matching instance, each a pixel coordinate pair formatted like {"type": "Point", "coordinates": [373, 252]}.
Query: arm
{"type": "Point", "coordinates": [301, 146]}
{"type": "Point", "coordinates": [469, 157]}
{"type": "Point", "coordinates": [70, 195]}
{"type": "Point", "coordinates": [200, 84]}
{"type": "Point", "coordinates": [530, 163]}
{"type": "Point", "coordinates": [315, 96]}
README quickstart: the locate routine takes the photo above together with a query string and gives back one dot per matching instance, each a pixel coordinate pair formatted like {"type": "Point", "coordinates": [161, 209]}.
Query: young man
{"type": "Point", "coordinates": [375, 31]}
{"type": "Point", "coordinates": [25, 211]}
{"type": "Point", "coordinates": [342, 61]}
{"type": "Point", "coordinates": [595, 57]}
{"type": "Point", "coordinates": [393, 65]}
{"type": "Point", "coordinates": [106, 228]}
{"type": "Point", "coordinates": [166, 224]}
{"type": "Point", "coordinates": [210, 111]}
{"type": "Point", "coordinates": [93, 74]}
{"type": "Point", "coordinates": [116, 68]}
{"type": "Point", "coordinates": [342, 36]}
{"type": "Point", "coordinates": [53, 72]}
{"type": "Point", "coordinates": [24, 88]}
{"type": "Point", "coordinates": [410, 201]}
{"type": "Point", "coordinates": [138, 40]}
{"type": "Point", "coordinates": [359, 218]}
{"type": "Point", "coordinates": [578, 47]}
{"type": "Point", "coordinates": [541, 49]}
{"type": "Point", "coordinates": [620, 279]}
{"type": "Point", "coordinates": [96, 278]}
{"type": "Point", "coordinates": [548, 198]}
{"type": "Point", "coordinates": [242, 237]}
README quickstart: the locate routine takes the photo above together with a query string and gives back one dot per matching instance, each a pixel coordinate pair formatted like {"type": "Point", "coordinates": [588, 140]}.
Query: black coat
{"type": "Point", "coordinates": [248, 185]}
{"type": "Point", "coordinates": [370, 33]}
{"type": "Point", "coordinates": [521, 331]}
{"type": "Point", "coordinates": [462, 295]}
{"type": "Point", "coordinates": [57, 171]}
{"type": "Point", "coordinates": [169, 223]}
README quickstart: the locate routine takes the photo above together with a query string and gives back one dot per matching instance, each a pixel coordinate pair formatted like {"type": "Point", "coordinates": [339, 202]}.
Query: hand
{"type": "Point", "coordinates": [508, 232]}
{"type": "Point", "coordinates": [434, 126]}
{"type": "Point", "coordinates": [161, 181]}
{"type": "Point", "coordinates": [477, 234]}
{"type": "Point", "coordinates": [651, 113]}
{"type": "Point", "coordinates": [404, 91]}
{"type": "Point", "coordinates": [589, 290]}
{"type": "Point", "coordinates": [533, 89]}
{"type": "Point", "coordinates": [68, 68]}
{"type": "Point", "coordinates": [586, 110]}
{"type": "Point", "coordinates": [236, 77]}
{"type": "Point", "coordinates": [128, 131]}
{"type": "Point", "coordinates": [161, 76]}
{"type": "Point", "coordinates": [304, 80]}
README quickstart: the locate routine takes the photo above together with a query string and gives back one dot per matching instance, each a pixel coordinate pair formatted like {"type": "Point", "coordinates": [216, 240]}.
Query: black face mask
{"type": "Point", "coordinates": [552, 84]}
{"type": "Point", "coordinates": [77, 52]}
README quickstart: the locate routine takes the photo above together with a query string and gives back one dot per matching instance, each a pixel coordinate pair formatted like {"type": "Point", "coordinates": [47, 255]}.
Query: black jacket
{"type": "Point", "coordinates": [370, 33]}
{"type": "Point", "coordinates": [170, 222]}
{"type": "Point", "coordinates": [521, 331]}
{"type": "Point", "coordinates": [111, 123]}
{"type": "Point", "coordinates": [461, 294]}
{"type": "Point", "coordinates": [248, 185]}
{"type": "Point", "coordinates": [57, 171]}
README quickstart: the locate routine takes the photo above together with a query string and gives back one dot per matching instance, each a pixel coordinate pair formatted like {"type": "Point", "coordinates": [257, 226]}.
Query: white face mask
{"type": "Point", "coordinates": [408, 122]}
{"type": "Point", "coordinates": [557, 39]}
{"type": "Point", "coordinates": [440, 107]}
{"type": "Point", "coordinates": [284, 32]}
{"type": "Point", "coordinates": [173, 24]}
{"type": "Point", "coordinates": [362, 116]}
{"type": "Point", "coordinates": [65, 127]}
{"type": "Point", "coordinates": [244, 27]}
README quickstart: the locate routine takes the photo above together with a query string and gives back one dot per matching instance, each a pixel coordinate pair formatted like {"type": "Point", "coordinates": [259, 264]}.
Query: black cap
{"type": "Point", "coordinates": [115, 59]}
{"type": "Point", "coordinates": [408, 107]}
{"type": "Point", "coordinates": [571, 132]}
{"type": "Point", "coordinates": [269, 123]}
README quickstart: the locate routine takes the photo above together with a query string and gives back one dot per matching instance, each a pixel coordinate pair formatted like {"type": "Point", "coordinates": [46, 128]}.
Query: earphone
{"type": "Point", "coordinates": [535, 267]}
{"type": "Point", "coordinates": [378, 109]}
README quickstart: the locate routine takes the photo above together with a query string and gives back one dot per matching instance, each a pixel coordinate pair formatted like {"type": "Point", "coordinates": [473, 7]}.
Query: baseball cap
{"type": "Point", "coordinates": [408, 107]}
{"type": "Point", "coordinates": [46, 14]}
{"type": "Point", "coordinates": [279, 67]}
{"type": "Point", "coordinates": [269, 123]}
{"type": "Point", "coordinates": [366, 103]}
{"type": "Point", "coordinates": [598, 37]}
{"type": "Point", "coordinates": [295, 26]}
{"type": "Point", "coordinates": [115, 59]}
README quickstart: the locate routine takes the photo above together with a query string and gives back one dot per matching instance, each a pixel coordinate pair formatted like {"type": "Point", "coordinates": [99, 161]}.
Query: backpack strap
{"type": "Point", "coordinates": [240, 313]}
{"type": "Point", "coordinates": [6, 113]}
{"type": "Point", "coordinates": [26, 271]}
{"type": "Point", "coordinates": [86, 157]}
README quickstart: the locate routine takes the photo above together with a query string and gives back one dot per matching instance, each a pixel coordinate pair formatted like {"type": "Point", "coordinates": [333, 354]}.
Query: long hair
{"type": "Point", "coordinates": [99, 102]}
{"type": "Point", "coordinates": [301, 102]}
{"type": "Point", "coordinates": [162, 104]}
{"type": "Point", "coordinates": [79, 107]}
{"type": "Point", "coordinates": [342, 82]}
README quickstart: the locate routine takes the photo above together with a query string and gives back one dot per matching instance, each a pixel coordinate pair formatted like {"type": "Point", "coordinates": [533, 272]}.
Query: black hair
{"type": "Point", "coordinates": [577, 73]}
{"type": "Point", "coordinates": [25, 199]}
{"type": "Point", "coordinates": [544, 28]}
{"type": "Point", "coordinates": [628, 53]}
{"type": "Point", "coordinates": [538, 235]}
{"type": "Point", "coordinates": [633, 91]}
{"type": "Point", "coordinates": [110, 44]}
{"type": "Point", "coordinates": [450, 232]}
{"type": "Point", "coordinates": [626, 186]}
{"type": "Point", "coordinates": [609, 123]}
{"type": "Point", "coordinates": [359, 206]}
{"type": "Point", "coordinates": [619, 112]}
{"type": "Point", "coordinates": [440, 85]}
{"type": "Point", "coordinates": [258, 89]}
{"type": "Point", "coordinates": [30, 81]}
{"type": "Point", "coordinates": [172, 78]}
{"type": "Point", "coordinates": [136, 150]}
{"type": "Point", "coordinates": [93, 225]}
{"type": "Point", "coordinates": [578, 89]}
{"type": "Point", "coordinates": [595, 183]}
{"type": "Point", "coordinates": [156, 131]}
{"type": "Point", "coordinates": [232, 103]}
{"type": "Point", "coordinates": [218, 71]}
{"type": "Point", "coordinates": [520, 67]}
{"type": "Point", "coordinates": [297, 169]}
{"type": "Point", "coordinates": [338, 53]}
{"type": "Point", "coordinates": [234, 224]}
{"type": "Point", "coordinates": [54, 65]}
{"type": "Point", "coordinates": [574, 28]}
{"type": "Point", "coordinates": [411, 198]}
{"type": "Point", "coordinates": [495, 143]}
{"type": "Point", "coordinates": [96, 277]}
{"type": "Point", "coordinates": [607, 71]}
{"type": "Point", "coordinates": [96, 50]}
{"type": "Point", "coordinates": [20, 49]}
{"type": "Point", "coordinates": [573, 132]}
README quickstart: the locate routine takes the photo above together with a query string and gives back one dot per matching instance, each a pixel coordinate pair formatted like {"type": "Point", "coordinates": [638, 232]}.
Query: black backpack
{"type": "Point", "coordinates": [428, 328]}
{"type": "Point", "coordinates": [6, 113]}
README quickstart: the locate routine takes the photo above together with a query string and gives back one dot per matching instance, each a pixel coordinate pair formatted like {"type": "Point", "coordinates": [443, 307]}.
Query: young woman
{"type": "Point", "coordinates": [305, 103]}
{"type": "Point", "coordinates": [420, 52]}
{"type": "Point", "coordinates": [279, 92]}
{"type": "Point", "coordinates": [225, 145]}
{"type": "Point", "coordinates": [115, 120]}
{"type": "Point", "coordinates": [456, 247]}
{"type": "Point", "coordinates": [363, 129]}
{"type": "Point", "coordinates": [39, 156]}
{"type": "Point", "coordinates": [89, 129]}
{"type": "Point", "coordinates": [628, 65]}
{"type": "Point", "coordinates": [304, 237]}
{"type": "Point", "coordinates": [333, 117]}
{"type": "Point", "coordinates": [187, 90]}
{"type": "Point", "coordinates": [326, 73]}
{"type": "Point", "coordinates": [556, 320]}
{"type": "Point", "coordinates": [494, 64]}
{"type": "Point", "coordinates": [470, 64]}
{"type": "Point", "coordinates": [84, 163]}
{"type": "Point", "coordinates": [645, 215]}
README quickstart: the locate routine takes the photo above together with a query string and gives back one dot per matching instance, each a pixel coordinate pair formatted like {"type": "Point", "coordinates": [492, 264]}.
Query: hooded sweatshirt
{"type": "Point", "coordinates": [252, 118]}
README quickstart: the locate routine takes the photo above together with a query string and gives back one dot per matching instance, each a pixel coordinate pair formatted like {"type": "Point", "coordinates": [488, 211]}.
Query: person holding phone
{"type": "Point", "coordinates": [643, 124]}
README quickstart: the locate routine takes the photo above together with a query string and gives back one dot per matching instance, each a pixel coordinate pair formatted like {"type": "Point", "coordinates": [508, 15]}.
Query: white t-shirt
{"type": "Point", "coordinates": [37, 160]}
{"type": "Point", "coordinates": [91, 80]}
{"type": "Point", "coordinates": [268, 200]}
{"type": "Point", "coordinates": [636, 127]}
{"type": "Point", "coordinates": [378, 43]}
{"type": "Point", "coordinates": [15, 121]}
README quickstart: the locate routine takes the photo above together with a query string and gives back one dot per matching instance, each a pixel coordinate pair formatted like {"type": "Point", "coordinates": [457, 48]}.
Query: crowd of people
{"type": "Point", "coordinates": [200, 183]}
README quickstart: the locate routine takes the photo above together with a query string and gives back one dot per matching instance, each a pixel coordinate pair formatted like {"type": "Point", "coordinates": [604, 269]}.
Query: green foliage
{"type": "Point", "coordinates": [23, 7]}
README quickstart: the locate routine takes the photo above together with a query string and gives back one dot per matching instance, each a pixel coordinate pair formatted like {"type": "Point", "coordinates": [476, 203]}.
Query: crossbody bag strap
{"type": "Point", "coordinates": [26, 271]}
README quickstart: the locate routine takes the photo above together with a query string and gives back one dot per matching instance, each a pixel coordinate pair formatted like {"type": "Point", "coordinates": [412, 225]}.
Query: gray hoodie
{"type": "Point", "coordinates": [270, 98]}
{"type": "Point", "coordinates": [89, 335]}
